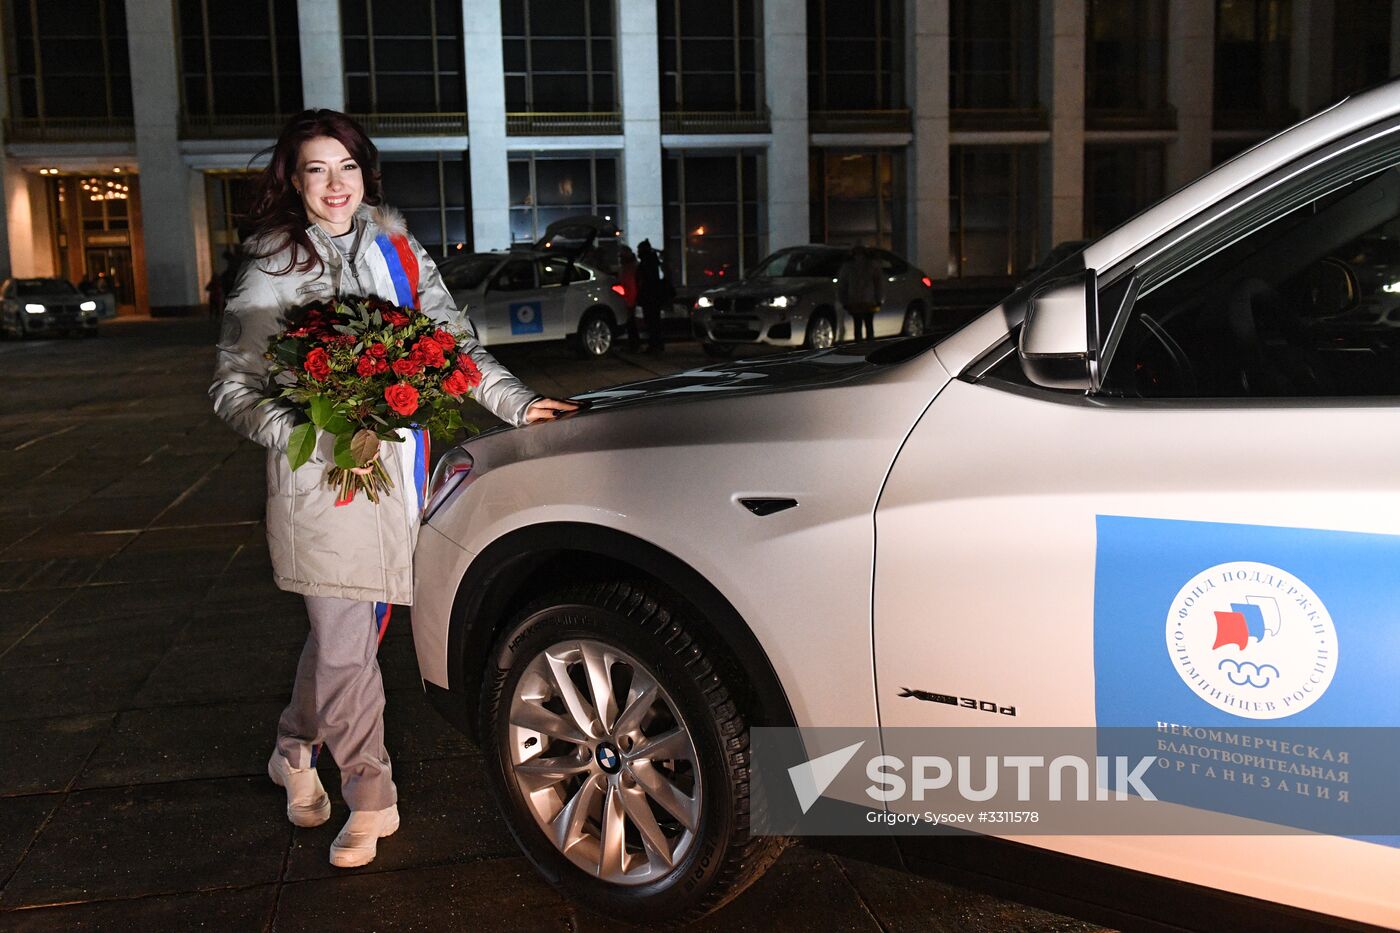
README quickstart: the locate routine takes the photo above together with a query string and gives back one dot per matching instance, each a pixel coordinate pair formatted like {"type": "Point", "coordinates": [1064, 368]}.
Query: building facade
{"type": "Point", "coordinates": [969, 135]}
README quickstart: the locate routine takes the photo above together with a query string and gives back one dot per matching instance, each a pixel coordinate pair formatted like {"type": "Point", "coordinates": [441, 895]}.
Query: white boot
{"type": "Point", "coordinates": [358, 841]}
{"type": "Point", "coordinates": [307, 803]}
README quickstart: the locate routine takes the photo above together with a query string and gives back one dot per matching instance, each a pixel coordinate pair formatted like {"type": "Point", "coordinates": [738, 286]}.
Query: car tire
{"type": "Point", "coordinates": [914, 324]}
{"type": "Point", "coordinates": [594, 339]}
{"type": "Point", "coordinates": [821, 331]}
{"type": "Point", "coordinates": [668, 873]}
{"type": "Point", "coordinates": [717, 351]}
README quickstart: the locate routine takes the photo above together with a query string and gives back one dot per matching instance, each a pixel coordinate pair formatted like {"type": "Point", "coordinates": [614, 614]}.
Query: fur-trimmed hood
{"type": "Point", "coordinates": [386, 217]}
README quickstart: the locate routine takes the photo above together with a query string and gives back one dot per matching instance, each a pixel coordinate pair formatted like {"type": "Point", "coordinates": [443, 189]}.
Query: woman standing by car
{"type": "Point", "coordinates": [321, 231]}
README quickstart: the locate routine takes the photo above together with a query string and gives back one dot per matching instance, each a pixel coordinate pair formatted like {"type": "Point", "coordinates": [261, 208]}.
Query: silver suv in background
{"type": "Point", "coordinates": [790, 300]}
{"type": "Point", "coordinates": [526, 294]}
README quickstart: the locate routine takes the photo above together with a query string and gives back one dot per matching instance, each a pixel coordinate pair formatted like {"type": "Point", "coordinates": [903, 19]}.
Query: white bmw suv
{"type": "Point", "coordinates": [1158, 486]}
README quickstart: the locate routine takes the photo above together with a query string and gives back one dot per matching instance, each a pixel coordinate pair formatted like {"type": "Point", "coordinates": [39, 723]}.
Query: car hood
{"type": "Point", "coordinates": [758, 288]}
{"type": "Point", "coordinates": [779, 372]}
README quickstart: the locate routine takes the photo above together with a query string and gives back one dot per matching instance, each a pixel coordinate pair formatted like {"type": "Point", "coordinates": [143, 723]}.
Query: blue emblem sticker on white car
{"type": "Point", "coordinates": [1263, 661]}
{"type": "Point", "coordinates": [526, 317]}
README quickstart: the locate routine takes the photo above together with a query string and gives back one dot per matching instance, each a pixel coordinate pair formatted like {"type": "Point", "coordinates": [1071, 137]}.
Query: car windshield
{"type": "Point", "coordinates": [38, 288]}
{"type": "Point", "coordinates": [802, 264]}
{"type": "Point", "coordinates": [469, 272]}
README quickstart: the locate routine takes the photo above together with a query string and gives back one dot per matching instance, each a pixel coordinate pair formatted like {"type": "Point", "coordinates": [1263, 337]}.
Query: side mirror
{"type": "Point", "coordinates": [1059, 337]}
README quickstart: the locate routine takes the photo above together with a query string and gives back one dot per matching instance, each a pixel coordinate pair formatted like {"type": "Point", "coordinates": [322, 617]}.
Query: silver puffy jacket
{"type": "Point", "coordinates": [356, 551]}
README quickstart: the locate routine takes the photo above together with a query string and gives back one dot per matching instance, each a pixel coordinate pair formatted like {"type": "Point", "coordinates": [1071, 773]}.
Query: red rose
{"type": "Point", "coordinates": [467, 367]}
{"type": "Point", "coordinates": [402, 398]}
{"type": "Point", "coordinates": [397, 318]}
{"type": "Point", "coordinates": [377, 350]}
{"type": "Point", "coordinates": [445, 340]}
{"type": "Point", "coordinates": [381, 366]}
{"type": "Point", "coordinates": [456, 384]}
{"type": "Point", "coordinates": [430, 352]}
{"type": "Point", "coordinates": [408, 366]}
{"type": "Point", "coordinates": [365, 367]}
{"type": "Point", "coordinates": [318, 364]}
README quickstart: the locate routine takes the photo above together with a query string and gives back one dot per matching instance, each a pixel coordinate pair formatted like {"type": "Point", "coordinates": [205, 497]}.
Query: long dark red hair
{"type": "Point", "coordinates": [278, 215]}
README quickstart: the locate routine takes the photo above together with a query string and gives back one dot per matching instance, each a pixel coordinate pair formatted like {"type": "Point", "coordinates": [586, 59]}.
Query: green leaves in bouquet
{"type": "Point", "coordinates": [356, 450]}
{"type": "Point", "coordinates": [326, 416]}
{"type": "Point", "coordinates": [301, 444]}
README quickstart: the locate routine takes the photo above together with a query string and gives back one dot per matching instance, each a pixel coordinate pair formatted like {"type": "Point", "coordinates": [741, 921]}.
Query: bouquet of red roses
{"type": "Point", "coordinates": [361, 369]}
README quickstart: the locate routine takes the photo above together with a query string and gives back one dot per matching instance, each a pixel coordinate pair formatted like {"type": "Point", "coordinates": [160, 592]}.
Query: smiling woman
{"type": "Point", "coordinates": [321, 233]}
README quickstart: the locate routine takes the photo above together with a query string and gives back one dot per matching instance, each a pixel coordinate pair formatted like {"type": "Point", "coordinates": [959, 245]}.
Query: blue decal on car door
{"type": "Point", "coordinates": [526, 317]}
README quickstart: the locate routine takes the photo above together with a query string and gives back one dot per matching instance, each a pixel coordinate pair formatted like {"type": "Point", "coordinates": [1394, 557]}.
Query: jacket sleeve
{"type": "Point", "coordinates": [500, 392]}
{"type": "Point", "coordinates": [252, 316]}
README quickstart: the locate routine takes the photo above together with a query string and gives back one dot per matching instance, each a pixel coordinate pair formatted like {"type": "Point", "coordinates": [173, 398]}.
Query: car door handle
{"type": "Point", "coordinates": [767, 506]}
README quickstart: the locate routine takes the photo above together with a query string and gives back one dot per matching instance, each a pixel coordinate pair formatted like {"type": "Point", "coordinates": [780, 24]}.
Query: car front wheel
{"type": "Point", "coordinates": [821, 331]}
{"type": "Point", "coordinates": [614, 746]}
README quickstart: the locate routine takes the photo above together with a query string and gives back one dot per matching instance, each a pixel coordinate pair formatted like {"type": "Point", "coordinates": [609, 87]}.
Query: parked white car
{"type": "Point", "coordinates": [1182, 452]}
{"type": "Point", "coordinates": [525, 295]}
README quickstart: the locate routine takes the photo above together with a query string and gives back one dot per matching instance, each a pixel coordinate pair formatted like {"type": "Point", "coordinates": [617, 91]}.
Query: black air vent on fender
{"type": "Point", "coordinates": [761, 506]}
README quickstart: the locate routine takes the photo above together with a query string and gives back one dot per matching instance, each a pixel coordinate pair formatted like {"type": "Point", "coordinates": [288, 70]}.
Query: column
{"type": "Point", "coordinates": [6, 266]}
{"type": "Point", "coordinates": [926, 50]}
{"type": "Point", "coordinates": [1395, 38]}
{"type": "Point", "coordinates": [785, 91]}
{"type": "Point", "coordinates": [640, 90]}
{"type": "Point", "coordinates": [322, 56]}
{"type": "Point", "coordinates": [486, 124]}
{"type": "Point", "coordinates": [1310, 58]}
{"type": "Point", "coordinates": [1190, 88]}
{"type": "Point", "coordinates": [1062, 88]}
{"type": "Point", "coordinates": [172, 260]}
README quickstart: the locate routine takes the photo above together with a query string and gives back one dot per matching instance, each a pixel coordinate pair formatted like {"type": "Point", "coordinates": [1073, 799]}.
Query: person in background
{"type": "Point", "coordinates": [861, 289]}
{"type": "Point", "coordinates": [215, 288]}
{"type": "Point", "coordinates": [627, 278]}
{"type": "Point", "coordinates": [653, 291]}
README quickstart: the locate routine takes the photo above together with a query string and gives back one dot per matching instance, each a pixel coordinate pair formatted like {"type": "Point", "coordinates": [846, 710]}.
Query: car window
{"type": "Point", "coordinates": [515, 276]}
{"type": "Point", "coordinates": [33, 288]}
{"type": "Point", "coordinates": [802, 263]}
{"type": "Point", "coordinates": [553, 272]}
{"type": "Point", "coordinates": [892, 264]}
{"type": "Point", "coordinates": [1307, 304]}
{"type": "Point", "coordinates": [578, 273]}
{"type": "Point", "coordinates": [469, 273]}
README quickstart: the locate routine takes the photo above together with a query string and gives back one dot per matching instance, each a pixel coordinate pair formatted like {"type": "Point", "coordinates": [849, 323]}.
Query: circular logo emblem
{"type": "Point", "coordinates": [607, 756]}
{"type": "Point", "coordinates": [525, 314]}
{"type": "Point", "coordinates": [1252, 640]}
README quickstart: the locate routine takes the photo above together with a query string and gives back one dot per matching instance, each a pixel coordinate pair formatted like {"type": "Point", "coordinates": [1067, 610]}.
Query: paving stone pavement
{"type": "Point", "coordinates": [145, 654]}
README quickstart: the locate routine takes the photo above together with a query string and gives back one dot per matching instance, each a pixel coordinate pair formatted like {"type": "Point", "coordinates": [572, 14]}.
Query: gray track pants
{"type": "Point", "coordinates": [338, 700]}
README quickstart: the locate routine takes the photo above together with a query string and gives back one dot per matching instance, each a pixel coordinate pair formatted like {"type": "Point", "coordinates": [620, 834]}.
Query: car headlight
{"type": "Point", "coordinates": [35, 309]}
{"type": "Point", "coordinates": [88, 306]}
{"type": "Point", "coordinates": [448, 476]}
{"type": "Point", "coordinates": [704, 301]}
{"type": "Point", "coordinates": [780, 301]}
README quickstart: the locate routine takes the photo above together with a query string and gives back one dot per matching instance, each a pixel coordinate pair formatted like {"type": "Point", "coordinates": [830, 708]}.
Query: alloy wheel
{"type": "Point", "coordinates": [597, 336]}
{"type": "Point", "coordinates": [823, 333]}
{"type": "Point", "coordinates": [604, 762]}
{"type": "Point", "coordinates": [913, 323]}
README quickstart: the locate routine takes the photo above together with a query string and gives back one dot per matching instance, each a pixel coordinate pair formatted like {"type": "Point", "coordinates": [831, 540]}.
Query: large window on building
{"type": "Point", "coordinates": [238, 60]}
{"type": "Point", "coordinates": [1119, 181]}
{"type": "Point", "coordinates": [1125, 59]}
{"type": "Point", "coordinates": [710, 54]}
{"type": "Point", "coordinates": [994, 209]}
{"type": "Point", "coordinates": [994, 51]}
{"type": "Point", "coordinates": [559, 56]}
{"type": "Point", "coordinates": [713, 231]}
{"type": "Point", "coordinates": [1360, 44]}
{"type": "Point", "coordinates": [854, 197]}
{"type": "Point", "coordinates": [1251, 62]}
{"type": "Point", "coordinates": [855, 55]}
{"type": "Point", "coordinates": [431, 191]}
{"type": "Point", "coordinates": [546, 188]}
{"type": "Point", "coordinates": [404, 57]}
{"type": "Point", "coordinates": [67, 62]}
